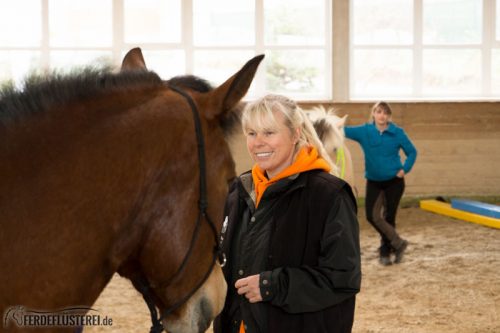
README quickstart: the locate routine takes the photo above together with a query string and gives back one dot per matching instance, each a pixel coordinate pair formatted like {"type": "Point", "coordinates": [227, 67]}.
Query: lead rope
{"type": "Point", "coordinates": [145, 290]}
{"type": "Point", "coordinates": [341, 161]}
{"type": "Point", "coordinates": [203, 202]}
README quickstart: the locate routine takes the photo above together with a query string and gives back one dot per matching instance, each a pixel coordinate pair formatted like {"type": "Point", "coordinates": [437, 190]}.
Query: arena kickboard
{"type": "Point", "coordinates": [476, 207]}
{"type": "Point", "coordinates": [444, 208]}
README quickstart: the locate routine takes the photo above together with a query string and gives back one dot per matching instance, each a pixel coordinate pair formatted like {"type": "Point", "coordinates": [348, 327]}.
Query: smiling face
{"type": "Point", "coordinates": [272, 146]}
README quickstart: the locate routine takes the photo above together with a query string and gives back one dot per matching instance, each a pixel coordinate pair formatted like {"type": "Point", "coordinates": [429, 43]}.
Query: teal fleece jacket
{"type": "Point", "coordinates": [382, 157]}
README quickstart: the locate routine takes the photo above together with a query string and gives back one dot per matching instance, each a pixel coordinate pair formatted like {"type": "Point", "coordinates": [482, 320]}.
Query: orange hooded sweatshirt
{"type": "Point", "coordinates": [307, 159]}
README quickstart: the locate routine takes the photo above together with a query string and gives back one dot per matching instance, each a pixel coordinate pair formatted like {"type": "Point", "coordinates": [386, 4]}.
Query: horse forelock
{"type": "Point", "coordinates": [191, 82]}
{"type": "Point", "coordinates": [230, 121]}
{"type": "Point", "coordinates": [325, 124]}
{"type": "Point", "coordinates": [40, 93]}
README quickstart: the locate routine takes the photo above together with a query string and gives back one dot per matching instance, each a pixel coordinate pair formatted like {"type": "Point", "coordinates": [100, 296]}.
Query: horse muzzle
{"type": "Point", "coordinates": [197, 314]}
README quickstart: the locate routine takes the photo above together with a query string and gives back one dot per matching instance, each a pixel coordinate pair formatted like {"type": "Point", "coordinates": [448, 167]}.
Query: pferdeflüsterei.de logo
{"type": "Point", "coordinates": [77, 316]}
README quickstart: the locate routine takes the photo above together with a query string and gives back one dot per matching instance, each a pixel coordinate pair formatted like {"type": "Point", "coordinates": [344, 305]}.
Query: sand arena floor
{"type": "Point", "coordinates": [449, 282]}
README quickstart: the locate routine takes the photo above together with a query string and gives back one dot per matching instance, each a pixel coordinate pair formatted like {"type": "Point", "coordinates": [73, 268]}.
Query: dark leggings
{"type": "Point", "coordinates": [381, 203]}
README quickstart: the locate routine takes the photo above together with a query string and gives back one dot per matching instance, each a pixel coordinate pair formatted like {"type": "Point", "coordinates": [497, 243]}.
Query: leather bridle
{"type": "Point", "coordinates": [143, 285]}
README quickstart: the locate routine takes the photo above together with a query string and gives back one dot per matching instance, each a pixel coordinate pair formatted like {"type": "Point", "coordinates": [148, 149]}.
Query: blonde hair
{"type": "Point", "coordinates": [380, 105]}
{"type": "Point", "coordinates": [259, 115]}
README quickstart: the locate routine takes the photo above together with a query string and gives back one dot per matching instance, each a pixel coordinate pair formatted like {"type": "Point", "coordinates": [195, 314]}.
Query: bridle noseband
{"type": "Point", "coordinates": [144, 287]}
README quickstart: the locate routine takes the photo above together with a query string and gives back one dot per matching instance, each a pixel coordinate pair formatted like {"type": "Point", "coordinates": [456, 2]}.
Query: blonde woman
{"type": "Point", "coordinates": [291, 234]}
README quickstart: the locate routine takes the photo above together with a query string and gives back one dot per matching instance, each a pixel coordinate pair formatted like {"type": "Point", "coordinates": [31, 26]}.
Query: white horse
{"type": "Point", "coordinates": [330, 130]}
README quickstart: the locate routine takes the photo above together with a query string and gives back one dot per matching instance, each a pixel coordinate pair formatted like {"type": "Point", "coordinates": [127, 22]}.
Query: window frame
{"type": "Point", "coordinates": [338, 48]}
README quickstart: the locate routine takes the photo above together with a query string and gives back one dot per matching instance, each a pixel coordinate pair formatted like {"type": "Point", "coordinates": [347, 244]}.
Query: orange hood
{"type": "Point", "coordinates": [307, 159]}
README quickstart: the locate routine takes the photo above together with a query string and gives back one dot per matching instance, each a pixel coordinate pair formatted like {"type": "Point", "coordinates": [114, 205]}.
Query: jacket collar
{"type": "Point", "coordinates": [391, 128]}
{"type": "Point", "coordinates": [283, 186]}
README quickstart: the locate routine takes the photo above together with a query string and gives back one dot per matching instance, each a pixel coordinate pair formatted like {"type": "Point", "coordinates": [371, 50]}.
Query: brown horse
{"type": "Point", "coordinates": [100, 173]}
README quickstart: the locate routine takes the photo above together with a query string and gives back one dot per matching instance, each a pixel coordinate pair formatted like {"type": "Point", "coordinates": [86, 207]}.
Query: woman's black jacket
{"type": "Point", "coordinates": [303, 240]}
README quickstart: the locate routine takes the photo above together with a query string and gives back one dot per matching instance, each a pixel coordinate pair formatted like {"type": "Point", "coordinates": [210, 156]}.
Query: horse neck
{"type": "Point", "coordinates": [81, 185]}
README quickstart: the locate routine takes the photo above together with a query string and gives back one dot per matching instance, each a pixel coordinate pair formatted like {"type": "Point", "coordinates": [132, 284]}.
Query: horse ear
{"type": "Point", "coordinates": [228, 94]}
{"type": "Point", "coordinates": [134, 60]}
{"type": "Point", "coordinates": [341, 122]}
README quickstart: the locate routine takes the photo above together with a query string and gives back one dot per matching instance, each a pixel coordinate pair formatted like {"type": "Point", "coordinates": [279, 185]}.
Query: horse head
{"type": "Point", "coordinates": [178, 273]}
{"type": "Point", "coordinates": [328, 126]}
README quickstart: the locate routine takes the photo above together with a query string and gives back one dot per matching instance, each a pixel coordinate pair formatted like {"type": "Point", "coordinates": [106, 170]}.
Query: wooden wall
{"type": "Point", "coordinates": [458, 146]}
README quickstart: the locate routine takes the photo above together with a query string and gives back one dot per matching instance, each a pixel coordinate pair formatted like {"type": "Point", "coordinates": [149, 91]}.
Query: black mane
{"type": "Point", "coordinates": [42, 92]}
{"type": "Point", "coordinates": [191, 82]}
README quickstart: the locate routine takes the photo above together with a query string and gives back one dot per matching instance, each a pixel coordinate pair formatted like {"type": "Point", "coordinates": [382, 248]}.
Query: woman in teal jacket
{"type": "Point", "coordinates": [381, 141]}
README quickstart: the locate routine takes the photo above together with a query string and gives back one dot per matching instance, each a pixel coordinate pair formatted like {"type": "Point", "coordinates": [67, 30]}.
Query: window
{"type": "Point", "coordinates": [296, 42]}
{"type": "Point", "coordinates": [424, 49]}
{"type": "Point", "coordinates": [211, 39]}
{"type": "Point", "coordinates": [315, 49]}
{"type": "Point", "coordinates": [20, 51]}
{"type": "Point", "coordinates": [497, 20]}
{"type": "Point", "coordinates": [152, 21]}
{"type": "Point", "coordinates": [70, 26]}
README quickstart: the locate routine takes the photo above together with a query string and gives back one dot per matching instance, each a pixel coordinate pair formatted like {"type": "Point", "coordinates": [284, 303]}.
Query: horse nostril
{"type": "Point", "coordinates": [205, 314]}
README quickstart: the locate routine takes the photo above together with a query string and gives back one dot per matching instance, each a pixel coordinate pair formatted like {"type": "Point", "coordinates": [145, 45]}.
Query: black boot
{"type": "Point", "coordinates": [385, 260]}
{"type": "Point", "coordinates": [400, 252]}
